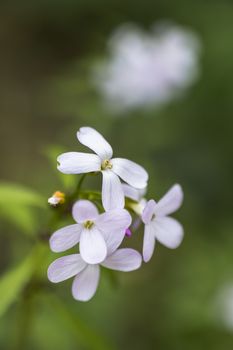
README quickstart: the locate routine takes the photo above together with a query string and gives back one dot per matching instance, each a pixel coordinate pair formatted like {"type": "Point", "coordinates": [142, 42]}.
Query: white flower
{"type": "Point", "coordinates": [147, 69]}
{"type": "Point", "coordinates": [134, 193]}
{"type": "Point", "coordinates": [159, 226]}
{"type": "Point", "coordinates": [111, 168]}
{"type": "Point", "coordinates": [87, 275]}
{"type": "Point", "coordinates": [137, 196]}
{"type": "Point", "coordinates": [94, 232]}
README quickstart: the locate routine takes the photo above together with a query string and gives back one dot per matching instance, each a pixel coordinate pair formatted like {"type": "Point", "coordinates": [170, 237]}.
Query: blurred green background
{"type": "Point", "coordinates": [47, 49]}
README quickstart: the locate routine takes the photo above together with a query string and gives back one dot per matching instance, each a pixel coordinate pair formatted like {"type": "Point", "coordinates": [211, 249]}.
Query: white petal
{"type": "Point", "coordinates": [148, 211]}
{"type": "Point", "coordinates": [130, 172]}
{"type": "Point", "coordinates": [112, 192]}
{"type": "Point", "coordinates": [170, 202]}
{"type": "Point", "coordinates": [94, 140]}
{"type": "Point", "coordinates": [168, 231]}
{"type": "Point", "coordinates": [92, 246]}
{"type": "Point", "coordinates": [78, 163]}
{"type": "Point", "coordinates": [133, 193]}
{"type": "Point", "coordinates": [114, 220]}
{"type": "Point", "coordinates": [86, 283]}
{"type": "Point", "coordinates": [113, 225]}
{"type": "Point", "coordinates": [53, 201]}
{"type": "Point", "coordinates": [125, 259]}
{"type": "Point", "coordinates": [84, 210]}
{"type": "Point", "coordinates": [148, 242]}
{"type": "Point", "coordinates": [65, 267]}
{"type": "Point", "coordinates": [65, 238]}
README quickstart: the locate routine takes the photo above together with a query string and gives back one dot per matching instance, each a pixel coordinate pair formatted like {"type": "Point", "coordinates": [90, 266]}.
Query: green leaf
{"type": "Point", "coordinates": [11, 193]}
{"type": "Point", "coordinates": [21, 216]}
{"type": "Point", "coordinates": [17, 203]}
{"type": "Point", "coordinates": [14, 281]}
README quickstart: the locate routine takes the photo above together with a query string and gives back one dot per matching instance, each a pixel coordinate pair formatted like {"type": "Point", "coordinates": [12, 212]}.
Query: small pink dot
{"type": "Point", "coordinates": [128, 232]}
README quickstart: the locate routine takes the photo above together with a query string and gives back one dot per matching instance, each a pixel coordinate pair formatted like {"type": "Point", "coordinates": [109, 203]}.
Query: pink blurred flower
{"type": "Point", "coordinates": [147, 68]}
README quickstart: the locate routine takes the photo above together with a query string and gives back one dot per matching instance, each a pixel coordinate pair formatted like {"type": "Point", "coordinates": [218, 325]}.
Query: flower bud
{"type": "Point", "coordinates": [128, 232]}
{"type": "Point", "coordinates": [57, 198]}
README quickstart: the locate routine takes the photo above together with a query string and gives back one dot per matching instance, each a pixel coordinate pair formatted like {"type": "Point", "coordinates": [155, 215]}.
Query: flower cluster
{"type": "Point", "coordinates": [147, 68]}
{"type": "Point", "coordinates": [99, 235]}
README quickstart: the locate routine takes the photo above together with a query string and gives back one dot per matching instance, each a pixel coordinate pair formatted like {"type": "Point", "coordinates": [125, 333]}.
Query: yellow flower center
{"type": "Point", "coordinates": [106, 164]}
{"type": "Point", "coordinates": [88, 224]}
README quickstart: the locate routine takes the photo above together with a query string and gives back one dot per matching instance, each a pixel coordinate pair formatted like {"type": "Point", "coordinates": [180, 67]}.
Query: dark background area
{"type": "Point", "coordinates": [47, 49]}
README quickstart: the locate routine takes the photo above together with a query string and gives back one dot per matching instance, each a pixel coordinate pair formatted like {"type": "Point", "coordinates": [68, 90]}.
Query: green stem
{"type": "Point", "coordinates": [90, 194]}
{"type": "Point", "coordinates": [62, 210]}
{"type": "Point", "coordinates": [80, 184]}
{"type": "Point", "coordinates": [24, 322]}
{"type": "Point", "coordinates": [70, 199]}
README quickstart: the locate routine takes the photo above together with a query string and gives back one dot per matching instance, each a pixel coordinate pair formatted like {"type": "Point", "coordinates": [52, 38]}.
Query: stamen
{"type": "Point", "coordinates": [106, 164]}
{"type": "Point", "coordinates": [88, 224]}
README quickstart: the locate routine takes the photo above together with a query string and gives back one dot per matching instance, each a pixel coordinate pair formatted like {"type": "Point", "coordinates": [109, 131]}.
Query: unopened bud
{"type": "Point", "coordinates": [57, 198]}
{"type": "Point", "coordinates": [128, 232]}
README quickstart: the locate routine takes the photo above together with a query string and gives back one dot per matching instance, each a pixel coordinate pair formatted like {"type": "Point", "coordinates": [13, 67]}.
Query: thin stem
{"type": "Point", "coordinates": [24, 322]}
{"type": "Point", "coordinates": [76, 193]}
{"type": "Point", "coordinates": [90, 194]}
{"type": "Point", "coordinates": [80, 184]}
{"type": "Point", "coordinates": [61, 210]}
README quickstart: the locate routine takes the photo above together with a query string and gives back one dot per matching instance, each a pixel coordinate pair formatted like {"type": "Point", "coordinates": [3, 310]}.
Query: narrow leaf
{"type": "Point", "coordinates": [14, 281]}
{"type": "Point", "coordinates": [11, 193]}
{"type": "Point", "coordinates": [17, 203]}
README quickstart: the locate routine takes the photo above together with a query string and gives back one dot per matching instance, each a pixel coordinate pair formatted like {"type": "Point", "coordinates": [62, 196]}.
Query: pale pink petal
{"type": "Point", "coordinates": [78, 163]}
{"type": "Point", "coordinates": [130, 172]}
{"type": "Point", "coordinates": [65, 238]}
{"type": "Point", "coordinates": [112, 192]}
{"type": "Point", "coordinates": [133, 193]}
{"type": "Point", "coordinates": [170, 202]}
{"type": "Point", "coordinates": [95, 141]}
{"type": "Point", "coordinates": [148, 211]}
{"type": "Point", "coordinates": [84, 210]}
{"type": "Point", "coordinates": [113, 225]}
{"type": "Point", "coordinates": [86, 283]}
{"type": "Point", "coordinates": [125, 259]}
{"type": "Point", "coordinates": [148, 242]}
{"type": "Point", "coordinates": [92, 246]}
{"type": "Point", "coordinates": [168, 231]}
{"type": "Point", "coordinates": [65, 267]}
{"type": "Point", "coordinates": [117, 219]}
